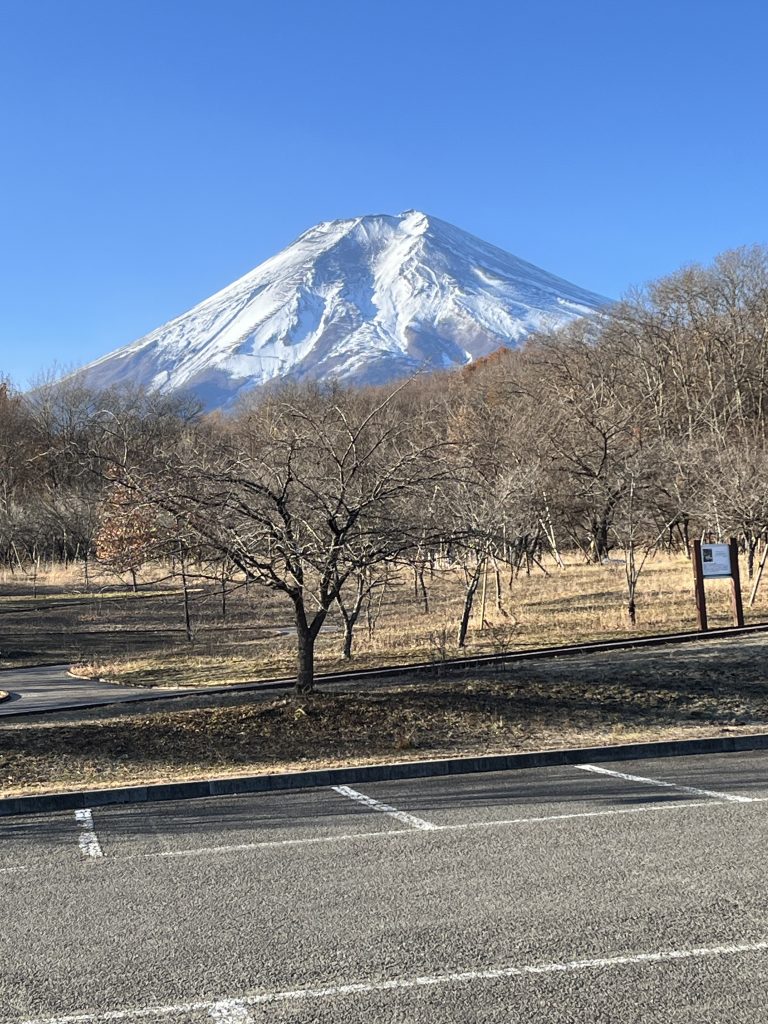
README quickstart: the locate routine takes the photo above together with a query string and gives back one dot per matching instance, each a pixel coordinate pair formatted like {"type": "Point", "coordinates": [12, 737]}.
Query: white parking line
{"type": "Point", "coordinates": [667, 785]}
{"type": "Point", "coordinates": [90, 845]}
{"type": "Point", "coordinates": [230, 1011]}
{"type": "Point", "coordinates": [306, 841]}
{"type": "Point", "coordinates": [463, 826]}
{"type": "Point", "coordinates": [546, 818]}
{"type": "Point", "coordinates": [89, 842]}
{"type": "Point", "coordinates": [377, 805]}
{"type": "Point", "coordinates": [399, 984]}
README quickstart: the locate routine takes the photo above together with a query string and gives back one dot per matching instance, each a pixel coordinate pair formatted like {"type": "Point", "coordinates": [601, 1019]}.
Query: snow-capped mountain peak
{"type": "Point", "coordinates": [364, 300]}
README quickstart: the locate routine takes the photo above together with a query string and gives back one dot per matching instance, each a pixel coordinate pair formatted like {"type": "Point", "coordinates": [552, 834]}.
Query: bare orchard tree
{"type": "Point", "coordinates": [484, 514]}
{"type": "Point", "coordinates": [128, 533]}
{"type": "Point", "coordinates": [302, 490]}
{"type": "Point", "coordinates": [637, 525]}
{"type": "Point", "coordinates": [732, 492]}
{"type": "Point", "coordinates": [358, 592]}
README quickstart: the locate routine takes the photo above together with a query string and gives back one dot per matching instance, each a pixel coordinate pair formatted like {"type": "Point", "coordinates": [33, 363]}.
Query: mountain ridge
{"type": "Point", "coordinates": [365, 300]}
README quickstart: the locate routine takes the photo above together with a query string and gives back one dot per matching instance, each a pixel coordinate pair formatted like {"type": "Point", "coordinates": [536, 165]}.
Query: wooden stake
{"type": "Point", "coordinates": [698, 585]}
{"type": "Point", "coordinates": [758, 576]}
{"type": "Point", "coordinates": [738, 607]}
{"type": "Point", "coordinates": [485, 587]}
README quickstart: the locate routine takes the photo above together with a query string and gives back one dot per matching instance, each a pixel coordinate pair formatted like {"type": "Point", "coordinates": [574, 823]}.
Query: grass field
{"type": "Point", "coordinates": [139, 639]}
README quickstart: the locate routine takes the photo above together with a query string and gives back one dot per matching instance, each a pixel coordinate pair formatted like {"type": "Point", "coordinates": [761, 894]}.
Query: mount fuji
{"type": "Point", "coordinates": [365, 301]}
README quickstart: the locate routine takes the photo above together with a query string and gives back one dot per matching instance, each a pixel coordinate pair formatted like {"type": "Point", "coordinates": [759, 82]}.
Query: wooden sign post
{"type": "Point", "coordinates": [698, 586]}
{"type": "Point", "coordinates": [716, 561]}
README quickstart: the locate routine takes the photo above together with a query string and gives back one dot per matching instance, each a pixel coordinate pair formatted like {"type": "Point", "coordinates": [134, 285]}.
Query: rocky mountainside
{"type": "Point", "coordinates": [365, 300]}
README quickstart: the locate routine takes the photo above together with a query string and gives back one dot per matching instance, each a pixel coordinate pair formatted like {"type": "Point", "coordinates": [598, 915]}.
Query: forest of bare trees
{"type": "Point", "coordinates": [639, 429]}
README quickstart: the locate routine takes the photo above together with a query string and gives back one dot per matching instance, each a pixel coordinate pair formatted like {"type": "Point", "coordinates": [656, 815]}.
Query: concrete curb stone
{"type": "Point", "coordinates": [324, 777]}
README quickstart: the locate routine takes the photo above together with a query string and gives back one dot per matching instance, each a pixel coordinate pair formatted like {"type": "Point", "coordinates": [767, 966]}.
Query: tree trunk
{"type": "Point", "coordinates": [423, 588]}
{"type": "Point", "coordinates": [306, 634]}
{"type": "Point", "coordinates": [600, 546]}
{"type": "Point", "coordinates": [469, 598]}
{"type": "Point", "coordinates": [351, 615]}
{"type": "Point", "coordinates": [484, 593]}
{"type": "Point", "coordinates": [349, 618]}
{"type": "Point", "coordinates": [686, 537]}
{"type": "Point", "coordinates": [632, 576]}
{"type": "Point", "coordinates": [758, 576]}
{"type": "Point", "coordinates": [185, 590]}
{"type": "Point", "coordinates": [751, 549]}
{"type": "Point", "coordinates": [305, 662]}
{"type": "Point", "coordinates": [349, 631]}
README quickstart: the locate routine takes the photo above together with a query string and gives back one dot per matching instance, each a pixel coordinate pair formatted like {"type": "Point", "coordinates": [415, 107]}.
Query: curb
{"type": "Point", "coordinates": [436, 668]}
{"type": "Point", "coordinates": [38, 664]}
{"type": "Point", "coordinates": [375, 773]}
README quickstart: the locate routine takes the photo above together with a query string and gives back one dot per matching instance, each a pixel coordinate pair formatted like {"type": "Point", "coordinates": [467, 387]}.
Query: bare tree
{"type": "Point", "coordinates": [352, 597]}
{"type": "Point", "coordinates": [302, 490]}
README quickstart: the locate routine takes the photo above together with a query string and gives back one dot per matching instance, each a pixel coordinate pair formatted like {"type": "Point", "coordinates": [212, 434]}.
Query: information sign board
{"type": "Point", "coordinates": [716, 560]}
{"type": "Point", "coordinates": [713, 561]}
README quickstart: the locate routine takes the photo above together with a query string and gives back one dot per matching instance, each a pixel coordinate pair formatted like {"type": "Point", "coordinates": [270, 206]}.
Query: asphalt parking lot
{"type": "Point", "coordinates": [631, 891]}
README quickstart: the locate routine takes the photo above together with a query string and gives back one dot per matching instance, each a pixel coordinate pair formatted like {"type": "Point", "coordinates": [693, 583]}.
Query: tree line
{"type": "Point", "coordinates": [636, 429]}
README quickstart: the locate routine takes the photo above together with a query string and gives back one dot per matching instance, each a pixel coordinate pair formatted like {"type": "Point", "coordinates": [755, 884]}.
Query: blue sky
{"type": "Point", "coordinates": [155, 151]}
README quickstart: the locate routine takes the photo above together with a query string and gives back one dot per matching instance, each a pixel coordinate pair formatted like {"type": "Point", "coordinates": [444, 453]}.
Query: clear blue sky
{"type": "Point", "coordinates": [155, 150]}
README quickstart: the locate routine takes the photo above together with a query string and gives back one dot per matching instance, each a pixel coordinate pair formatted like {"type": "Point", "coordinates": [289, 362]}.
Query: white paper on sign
{"type": "Point", "coordinates": [715, 560]}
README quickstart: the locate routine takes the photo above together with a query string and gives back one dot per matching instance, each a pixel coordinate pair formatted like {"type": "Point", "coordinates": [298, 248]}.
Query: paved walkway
{"type": "Point", "coordinates": [51, 688]}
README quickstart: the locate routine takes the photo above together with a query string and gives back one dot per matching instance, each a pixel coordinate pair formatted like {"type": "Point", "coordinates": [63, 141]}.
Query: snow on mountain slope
{"type": "Point", "coordinates": [364, 300]}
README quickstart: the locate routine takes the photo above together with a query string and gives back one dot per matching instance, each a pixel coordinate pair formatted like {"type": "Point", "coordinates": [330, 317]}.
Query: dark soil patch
{"type": "Point", "coordinates": [703, 690]}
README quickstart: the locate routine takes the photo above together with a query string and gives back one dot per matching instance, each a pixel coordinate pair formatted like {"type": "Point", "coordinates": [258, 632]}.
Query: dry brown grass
{"type": "Point", "coordinates": [580, 603]}
{"type": "Point", "coordinates": [700, 689]}
{"type": "Point", "coordinates": [139, 639]}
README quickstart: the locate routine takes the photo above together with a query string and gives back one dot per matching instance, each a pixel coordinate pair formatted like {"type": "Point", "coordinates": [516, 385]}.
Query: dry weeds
{"type": "Point", "coordinates": [580, 603]}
